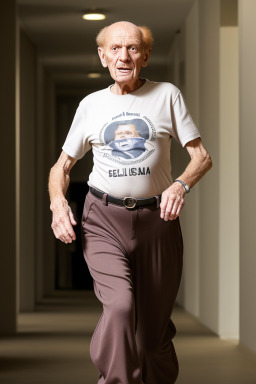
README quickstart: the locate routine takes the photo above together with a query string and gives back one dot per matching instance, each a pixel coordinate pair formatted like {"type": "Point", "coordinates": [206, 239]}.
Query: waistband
{"type": "Point", "coordinates": [127, 202]}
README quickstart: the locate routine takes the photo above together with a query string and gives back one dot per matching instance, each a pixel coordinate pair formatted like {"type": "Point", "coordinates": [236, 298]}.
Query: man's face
{"type": "Point", "coordinates": [125, 131]}
{"type": "Point", "coordinates": [123, 53]}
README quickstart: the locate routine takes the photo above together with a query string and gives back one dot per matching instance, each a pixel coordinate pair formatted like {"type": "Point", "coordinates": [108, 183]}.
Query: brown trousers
{"type": "Point", "coordinates": [135, 259]}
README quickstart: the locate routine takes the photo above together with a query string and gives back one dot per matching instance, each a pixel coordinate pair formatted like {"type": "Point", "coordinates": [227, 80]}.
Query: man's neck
{"type": "Point", "coordinates": [124, 89]}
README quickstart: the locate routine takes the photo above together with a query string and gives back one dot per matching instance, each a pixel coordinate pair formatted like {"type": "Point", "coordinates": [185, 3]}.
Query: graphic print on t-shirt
{"type": "Point", "coordinates": [128, 140]}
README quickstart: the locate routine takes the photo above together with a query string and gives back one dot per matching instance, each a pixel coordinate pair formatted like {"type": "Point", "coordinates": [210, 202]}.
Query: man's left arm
{"type": "Point", "coordinates": [173, 197]}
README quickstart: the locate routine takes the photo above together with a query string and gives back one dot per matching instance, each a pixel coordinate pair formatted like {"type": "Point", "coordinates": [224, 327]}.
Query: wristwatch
{"type": "Point", "coordinates": [187, 189]}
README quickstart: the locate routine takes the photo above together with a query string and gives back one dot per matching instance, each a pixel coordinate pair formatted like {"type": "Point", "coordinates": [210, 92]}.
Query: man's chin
{"type": "Point", "coordinates": [125, 77]}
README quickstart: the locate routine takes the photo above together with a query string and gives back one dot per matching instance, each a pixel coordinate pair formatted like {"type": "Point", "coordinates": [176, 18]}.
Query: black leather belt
{"type": "Point", "coordinates": [128, 202]}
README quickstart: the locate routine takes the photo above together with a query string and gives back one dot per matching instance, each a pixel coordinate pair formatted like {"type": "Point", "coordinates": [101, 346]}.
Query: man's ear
{"type": "Point", "coordinates": [146, 57]}
{"type": "Point", "coordinates": [102, 57]}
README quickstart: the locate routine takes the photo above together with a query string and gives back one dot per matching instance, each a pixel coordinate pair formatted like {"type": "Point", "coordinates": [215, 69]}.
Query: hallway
{"type": "Point", "coordinates": [50, 63]}
{"type": "Point", "coordinates": [52, 346]}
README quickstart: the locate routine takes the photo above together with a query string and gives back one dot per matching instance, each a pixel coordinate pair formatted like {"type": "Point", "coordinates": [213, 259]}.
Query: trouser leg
{"type": "Point", "coordinates": [158, 254]}
{"type": "Point", "coordinates": [135, 259]}
{"type": "Point", "coordinates": [113, 346]}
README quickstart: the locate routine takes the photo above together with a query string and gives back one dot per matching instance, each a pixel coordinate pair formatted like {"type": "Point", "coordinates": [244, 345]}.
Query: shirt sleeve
{"type": "Point", "coordinates": [77, 141]}
{"type": "Point", "coordinates": [183, 127]}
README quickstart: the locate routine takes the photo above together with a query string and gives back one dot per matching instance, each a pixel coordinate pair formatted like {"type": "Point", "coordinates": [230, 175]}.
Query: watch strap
{"type": "Point", "coordinates": [187, 189]}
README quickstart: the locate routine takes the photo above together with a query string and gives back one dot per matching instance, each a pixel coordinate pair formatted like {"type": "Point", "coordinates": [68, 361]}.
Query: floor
{"type": "Point", "coordinates": [52, 346]}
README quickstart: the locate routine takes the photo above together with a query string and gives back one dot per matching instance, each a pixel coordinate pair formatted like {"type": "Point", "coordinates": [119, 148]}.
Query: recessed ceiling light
{"type": "Point", "coordinates": [94, 75]}
{"type": "Point", "coordinates": [93, 16]}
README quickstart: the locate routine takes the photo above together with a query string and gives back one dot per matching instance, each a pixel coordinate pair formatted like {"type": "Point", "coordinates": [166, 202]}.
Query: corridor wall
{"type": "Point", "coordinates": [247, 139]}
{"type": "Point", "coordinates": [9, 120]}
{"type": "Point", "coordinates": [27, 187]}
{"type": "Point", "coordinates": [210, 285]}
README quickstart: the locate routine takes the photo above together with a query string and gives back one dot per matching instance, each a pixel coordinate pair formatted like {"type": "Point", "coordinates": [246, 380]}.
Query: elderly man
{"type": "Point", "coordinates": [132, 239]}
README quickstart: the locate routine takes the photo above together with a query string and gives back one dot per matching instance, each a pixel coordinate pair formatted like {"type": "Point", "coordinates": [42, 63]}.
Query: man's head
{"type": "Point", "coordinates": [124, 48]}
{"type": "Point", "coordinates": [125, 131]}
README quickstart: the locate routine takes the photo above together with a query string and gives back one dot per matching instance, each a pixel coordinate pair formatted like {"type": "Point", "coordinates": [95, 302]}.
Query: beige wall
{"type": "Point", "coordinates": [247, 139]}
{"type": "Point", "coordinates": [199, 287]}
{"type": "Point", "coordinates": [184, 72]}
{"type": "Point", "coordinates": [229, 184]}
{"type": "Point", "coordinates": [209, 23]}
{"type": "Point", "coordinates": [190, 216]}
{"type": "Point", "coordinates": [210, 284]}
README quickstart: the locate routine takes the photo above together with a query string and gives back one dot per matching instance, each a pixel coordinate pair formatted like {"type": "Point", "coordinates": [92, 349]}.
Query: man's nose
{"type": "Point", "coordinates": [124, 55]}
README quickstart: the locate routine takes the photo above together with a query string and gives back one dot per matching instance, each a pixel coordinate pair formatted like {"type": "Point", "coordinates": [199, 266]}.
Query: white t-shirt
{"type": "Point", "coordinates": [130, 136]}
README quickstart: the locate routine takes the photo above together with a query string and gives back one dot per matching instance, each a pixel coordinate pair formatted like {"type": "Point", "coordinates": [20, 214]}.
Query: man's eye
{"type": "Point", "coordinates": [114, 48]}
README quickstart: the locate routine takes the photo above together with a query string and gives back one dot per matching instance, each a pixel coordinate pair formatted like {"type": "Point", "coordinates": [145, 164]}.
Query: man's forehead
{"type": "Point", "coordinates": [123, 32]}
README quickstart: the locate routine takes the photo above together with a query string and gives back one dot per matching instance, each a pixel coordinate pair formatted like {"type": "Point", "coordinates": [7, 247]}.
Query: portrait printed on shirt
{"type": "Point", "coordinates": [128, 141]}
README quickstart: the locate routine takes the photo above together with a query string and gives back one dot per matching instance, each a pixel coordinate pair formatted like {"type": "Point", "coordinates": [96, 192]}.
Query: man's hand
{"type": "Point", "coordinates": [62, 221]}
{"type": "Point", "coordinates": [172, 201]}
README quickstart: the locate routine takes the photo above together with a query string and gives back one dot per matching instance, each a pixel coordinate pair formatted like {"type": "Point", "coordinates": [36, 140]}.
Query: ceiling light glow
{"type": "Point", "coordinates": [94, 16]}
{"type": "Point", "coordinates": [94, 75]}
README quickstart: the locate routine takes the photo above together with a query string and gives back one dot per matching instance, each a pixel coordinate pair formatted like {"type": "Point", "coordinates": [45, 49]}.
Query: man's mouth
{"type": "Point", "coordinates": [124, 70]}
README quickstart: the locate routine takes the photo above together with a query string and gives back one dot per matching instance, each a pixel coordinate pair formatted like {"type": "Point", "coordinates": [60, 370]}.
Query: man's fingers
{"type": "Point", "coordinates": [162, 212]}
{"type": "Point", "coordinates": [63, 230]}
{"type": "Point", "coordinates": [56, 231]}
{"type": "Point", "coordinates": [163, 206]}
{"type": "Point", "coordinates": [69, 231]}
{"type": "Point", "coordinates": [179, 209]}
{"type": "Point", "coordinates": [168, 208]}
{"type": "Point", "coordinates": [62, 238]}
{"type": "Point", "coordinates": [176, 210]}
{"type": "Point", "coordinates": [58, 235]}
{"type": "Point", "coordinates": [173, 212]}
{"type": "Point", "coordinates": [171, 207]}
{"type": "Point", "coordinates": [172, 202]}
{"type": "Point", "coordinates": [71, 216]}
{"type": "Point", "coordinates": [64, 233]}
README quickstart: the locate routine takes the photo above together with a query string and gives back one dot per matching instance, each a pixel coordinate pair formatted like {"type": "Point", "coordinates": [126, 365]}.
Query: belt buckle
{"type": "Point", "coordinates": [129, 202]}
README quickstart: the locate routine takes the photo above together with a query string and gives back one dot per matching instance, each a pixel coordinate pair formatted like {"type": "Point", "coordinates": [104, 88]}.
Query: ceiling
{"type": "Point", "coordinates": [66, 43]}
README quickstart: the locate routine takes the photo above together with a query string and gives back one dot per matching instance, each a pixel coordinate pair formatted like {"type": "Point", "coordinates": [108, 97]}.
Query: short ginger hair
{"type": "Point", "coordinates": [146, 36]}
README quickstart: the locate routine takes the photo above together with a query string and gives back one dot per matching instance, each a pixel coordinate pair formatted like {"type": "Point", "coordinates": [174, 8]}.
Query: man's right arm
{"type": "Point", "coordinates": [62, 216]}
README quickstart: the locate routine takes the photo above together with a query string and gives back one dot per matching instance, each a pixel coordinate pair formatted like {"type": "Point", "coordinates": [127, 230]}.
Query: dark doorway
{"type": "Point", "coordinates": [71, 269]}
